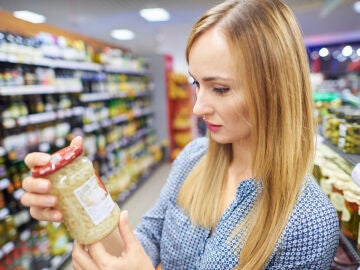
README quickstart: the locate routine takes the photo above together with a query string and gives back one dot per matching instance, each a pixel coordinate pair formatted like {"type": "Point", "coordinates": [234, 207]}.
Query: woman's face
{"type": "Point", "coordinates": [219, 94]}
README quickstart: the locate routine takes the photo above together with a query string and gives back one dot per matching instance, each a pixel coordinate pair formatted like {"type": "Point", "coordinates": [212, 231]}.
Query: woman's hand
{"type": "Point", "coordinates": [133, 256]}
{"type": "Point", "coordinates": [37, 190]}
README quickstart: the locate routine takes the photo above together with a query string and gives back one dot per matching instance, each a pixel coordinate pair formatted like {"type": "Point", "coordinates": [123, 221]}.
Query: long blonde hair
{"type": "Point", "coordinates": [268, 48]}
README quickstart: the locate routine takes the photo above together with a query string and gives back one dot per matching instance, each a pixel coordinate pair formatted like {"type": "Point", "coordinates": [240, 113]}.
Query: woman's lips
{"type": "Point", "coordinates": [212, 127]}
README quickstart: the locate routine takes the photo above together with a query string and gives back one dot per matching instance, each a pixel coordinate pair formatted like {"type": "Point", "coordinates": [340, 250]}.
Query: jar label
{"type": "Point", "coordinates": [342, 130]}
{"type": "Point", "coordinates": [94, 198]}
{"type": "Point", "coordinates": [341, 142]}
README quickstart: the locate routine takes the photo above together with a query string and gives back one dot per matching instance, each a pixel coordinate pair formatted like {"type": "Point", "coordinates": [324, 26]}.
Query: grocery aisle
{"type": "Point", "coordinates": [143, 198]}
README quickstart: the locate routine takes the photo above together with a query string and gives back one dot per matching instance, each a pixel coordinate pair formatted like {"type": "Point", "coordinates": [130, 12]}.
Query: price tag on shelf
{"type": "Point", "coordinates": [8, 247]}
{"type": "Point", "coordinates": [4, 183]}
{"type": "Point", "coordinates": [3, 213]}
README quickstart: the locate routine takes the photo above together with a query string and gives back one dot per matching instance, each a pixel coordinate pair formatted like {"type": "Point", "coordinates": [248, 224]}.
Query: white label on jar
{"type": "Point", "coordinates": [95, 200]}
{"type": "Point", "coordinates": [342, 130]}
{"type": "Point", "coordinates": [341, 142]}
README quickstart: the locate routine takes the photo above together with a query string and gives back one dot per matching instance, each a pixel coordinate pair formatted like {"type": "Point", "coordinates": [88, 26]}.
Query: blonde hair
{"type": "Point", "coordinates": [268, 48]}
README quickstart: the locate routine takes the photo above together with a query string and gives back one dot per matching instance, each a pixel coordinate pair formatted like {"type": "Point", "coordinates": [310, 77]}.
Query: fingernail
{"type": "Point", "coordinates": [126, 216]}
{"type": "Point", "coordinates": [43, 159]}
{"type": "Point", "coordinates": [56, 216]}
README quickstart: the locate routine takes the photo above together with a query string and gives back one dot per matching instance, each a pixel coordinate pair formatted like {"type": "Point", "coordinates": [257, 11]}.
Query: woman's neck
{"type": "Point", "coordinates": [241, 164]}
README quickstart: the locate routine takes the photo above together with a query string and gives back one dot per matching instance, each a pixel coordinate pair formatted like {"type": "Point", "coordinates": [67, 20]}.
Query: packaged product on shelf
{"type": "Point", "coordinates": [350, 221]}
{"type": "Point", "coordinates": [40, 247]}
{"type": "Point", "coordinates": [58, 238]}
{"type": "Point", "coordinates": [337, 197]}
{"type": "Point", "coordinates": [88, 211]}
{"type": "Point", "coordinates": [349, 131]}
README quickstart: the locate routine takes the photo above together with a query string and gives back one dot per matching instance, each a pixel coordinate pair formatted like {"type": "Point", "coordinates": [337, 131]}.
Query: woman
{"type": "Point", "coordinates": [242, 198]}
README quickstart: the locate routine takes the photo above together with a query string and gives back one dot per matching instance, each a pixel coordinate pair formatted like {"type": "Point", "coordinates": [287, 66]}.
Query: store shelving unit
{"type": "Point", "coordinates": [353, 159]}
{"type": "Point", "coordinates": [141, 138]}
{"type": "Point", "coordinates": [348, 245]}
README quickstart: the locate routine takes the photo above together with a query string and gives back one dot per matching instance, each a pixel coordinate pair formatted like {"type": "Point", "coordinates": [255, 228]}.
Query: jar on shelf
{"type": "Point", "coordinates": [349, 131]}
{"type": "Point", "coordinates": [89, 213]}
{"type": "Point", "coordinates": [326, 185]}
{"type": "Point", "coordinates": [331, 125]}
{"type": "Point", "coordinates": [337, 196]}
{"type": "Point", "coordinates": [350, 216]}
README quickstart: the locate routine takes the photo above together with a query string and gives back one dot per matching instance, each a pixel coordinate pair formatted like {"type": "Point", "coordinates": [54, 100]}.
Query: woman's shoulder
{"type": "Point", "coordinates": [186, 161]}
{"type": "Point", "coordinates": [193, 151]}
{"type": "Point", "coordinates": [314, 215]}
{"type": "Point", "coordinates": [313, 200]}
{"type": "Point", "coordinates": [311, 237]}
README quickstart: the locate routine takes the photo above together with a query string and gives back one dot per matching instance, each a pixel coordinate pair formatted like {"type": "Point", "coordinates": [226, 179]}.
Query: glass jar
{"type": "Point", "coordinates": [337, 196]}
{"type": "Point", "coordinates": [349, 131]}
{"type": "Point", "coordinates": [326, 185]}
{"type": "Point", "coordinates": [89, 213]}
{"type": "Point", "coordinates": [350, 215]}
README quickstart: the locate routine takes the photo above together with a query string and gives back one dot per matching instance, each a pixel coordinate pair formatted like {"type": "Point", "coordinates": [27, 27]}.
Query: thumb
{"type": "Point", "coordinates": [126, 231]}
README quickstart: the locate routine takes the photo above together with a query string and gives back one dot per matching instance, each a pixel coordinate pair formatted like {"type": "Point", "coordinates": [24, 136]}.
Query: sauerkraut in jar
{"type": "Point", "coordinates": [89, 213]}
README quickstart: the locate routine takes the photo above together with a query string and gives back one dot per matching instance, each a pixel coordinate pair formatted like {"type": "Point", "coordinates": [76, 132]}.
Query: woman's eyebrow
{"type": "Point", "coordinates": [213, 78]}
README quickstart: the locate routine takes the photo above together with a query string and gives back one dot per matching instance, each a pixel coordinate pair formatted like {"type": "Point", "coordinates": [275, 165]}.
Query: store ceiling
{"type": "Point", "coordinates": [96, 18]}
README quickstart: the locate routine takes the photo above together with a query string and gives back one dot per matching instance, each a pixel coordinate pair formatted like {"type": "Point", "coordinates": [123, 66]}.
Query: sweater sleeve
{"type": "Point", "coordinates": [149, 230]}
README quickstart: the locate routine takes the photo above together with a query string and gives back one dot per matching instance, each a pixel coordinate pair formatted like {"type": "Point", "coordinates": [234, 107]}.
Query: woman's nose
{"type": "Point", "coordinates": [201, 106]}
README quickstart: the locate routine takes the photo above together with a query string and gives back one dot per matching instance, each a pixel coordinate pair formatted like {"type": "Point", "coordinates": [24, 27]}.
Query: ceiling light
{"type": "Point", "coordinates": [347, 51]}
{"type": "Point", "coordinates": [29, 16]}
{"type": "Point", "coordinates": [356, 6]}
{"type": "Point", "coordinates": [324, 52]}
{"type": "Point", "coordinates": [122, 34]}
{"type": "Point", "coordinates": [155, 14]}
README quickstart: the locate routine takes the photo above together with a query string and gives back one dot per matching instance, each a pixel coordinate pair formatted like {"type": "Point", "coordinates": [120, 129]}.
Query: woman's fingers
{"type": "Point", "coordinates": [48, 214]}
{"type": "Point", "coordinates": [38, 185]}
{"type": "Point", "coordinates": [82, 259]}
{"type": "Point", "coordinates": [101, 257]}
{"type": "Point", "coordinates": [126, 232]}
{"type": "Point", "coordinates": [38, 200]}
{"type": "Point", "coordinates": [36, 159]}
{"type": "Point", "coordinates": [78, 141]}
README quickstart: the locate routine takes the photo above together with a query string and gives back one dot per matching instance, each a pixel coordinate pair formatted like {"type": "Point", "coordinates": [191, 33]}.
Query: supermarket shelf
{"type": "Point", "coordinates": [142, 179]}
{"type": "Point", "coordinates": [352, 158]}
{"type": "Point", "coordinates": [53, 63]}
{"type": "Point", "coordinates": [350, 247]}
{"type": "Point", "coordinates": [94, 97]}
{"type": "Point", "coordinates": [88, 128]}
{"type": "Point", "coordinates": [44, 117]}
{"type": "Point", "coordinates": [58, 261]}
{"type": "Point", "coordinates": [36, 89]}
{"type": "Point", "coordinates": [119, 69]}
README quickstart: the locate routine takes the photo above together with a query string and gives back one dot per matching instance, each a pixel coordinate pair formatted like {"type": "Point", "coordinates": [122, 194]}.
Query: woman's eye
{"type": "Point", "coordinates": [221, 90]}
{"type": "Point", "coordinates": [196, 84]}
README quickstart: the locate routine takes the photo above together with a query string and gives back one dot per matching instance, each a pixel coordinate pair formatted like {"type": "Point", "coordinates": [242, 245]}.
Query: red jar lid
{"type": "Point", "coordinates": [57, 161]}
